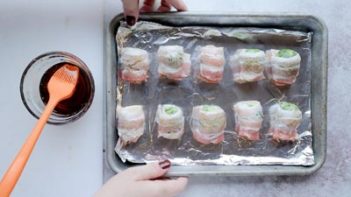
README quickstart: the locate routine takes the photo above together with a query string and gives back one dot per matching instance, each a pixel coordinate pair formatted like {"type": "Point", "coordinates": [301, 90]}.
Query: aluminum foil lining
{"type": "Point", "coordinates": [189, 92]}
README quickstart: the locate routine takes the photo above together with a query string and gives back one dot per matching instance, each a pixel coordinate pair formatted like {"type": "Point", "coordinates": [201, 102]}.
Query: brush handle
{"type": "Point", "coordinates": [14, 172]}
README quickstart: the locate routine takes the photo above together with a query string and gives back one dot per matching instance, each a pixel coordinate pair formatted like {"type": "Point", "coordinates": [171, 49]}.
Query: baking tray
{"type": "Point", "coordinates": [288, 22]}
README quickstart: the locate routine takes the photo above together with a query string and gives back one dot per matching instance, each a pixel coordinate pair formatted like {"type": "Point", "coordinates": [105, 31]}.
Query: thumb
{"type": "Point", "coordinates": [131, 11]}
{"type": "Point", "coordinates": [149, 171]}
{"type": "Point", "coordinates": [178, 4]}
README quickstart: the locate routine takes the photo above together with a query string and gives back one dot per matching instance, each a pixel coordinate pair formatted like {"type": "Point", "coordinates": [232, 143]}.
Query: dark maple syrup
{"type": "Point", "coordinates": [79, 98]}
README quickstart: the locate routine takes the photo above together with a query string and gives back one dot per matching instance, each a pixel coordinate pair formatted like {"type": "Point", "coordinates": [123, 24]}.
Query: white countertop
{"type": "Point", "coordinates": [67, 161]}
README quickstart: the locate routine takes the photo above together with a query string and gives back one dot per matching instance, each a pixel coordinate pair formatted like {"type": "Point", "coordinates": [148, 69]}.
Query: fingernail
{"type": "Point", "coordinates": [130, 20]}
{"type": "Point", "coordinates": [165, 164]}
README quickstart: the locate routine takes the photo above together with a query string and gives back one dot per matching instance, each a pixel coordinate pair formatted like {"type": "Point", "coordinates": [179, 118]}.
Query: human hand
{"type": "Point", "coordinates": [143, 181]}
{"type": "Point", "coordinates": [131, 8]}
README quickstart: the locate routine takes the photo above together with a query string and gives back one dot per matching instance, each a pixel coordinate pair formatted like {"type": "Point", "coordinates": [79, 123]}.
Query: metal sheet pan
{"type": "Point", "coordinates": [287, 22]}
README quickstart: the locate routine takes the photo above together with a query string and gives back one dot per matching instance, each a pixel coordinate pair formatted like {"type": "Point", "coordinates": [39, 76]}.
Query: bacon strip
{"type": "Point", "coordinates": [282, 71]}
{"type": "Point", "coordinates": [284, 122]}
{"type": "Point", "coordinates": [248, 119]}
{"type": "Point", "coordinates": [248, 65]}
{"type": "Point", "coordinates": [135, 65]}
{"type": "Point", "coordinates": [211, 64]}
{"type": "Point", "coordinates": [208, 125]}
{"type": "Point", "coordinates": [174, 64]}
{"type": "Point", "coordinates": [170, 124]}
{"type": "Point", "coordinates": [131, 123]}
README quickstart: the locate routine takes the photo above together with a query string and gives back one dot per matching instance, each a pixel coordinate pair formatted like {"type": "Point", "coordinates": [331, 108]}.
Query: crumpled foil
{"type": "Point", "coordinates": [189, 93]}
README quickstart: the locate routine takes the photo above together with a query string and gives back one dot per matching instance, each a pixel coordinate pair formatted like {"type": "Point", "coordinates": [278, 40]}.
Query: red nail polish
{"type": "Point", "coordinates": [130, 20]}
{"type": "Point", "coordinates": [165, 164]}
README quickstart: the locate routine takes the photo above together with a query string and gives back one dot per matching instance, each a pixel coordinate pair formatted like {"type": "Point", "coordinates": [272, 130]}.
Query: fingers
{"type": "Point", "coordinates": [173, 186]}
{"type": "Point", "coordinates": [163, 188]}
{"type": "Point", "coordinates": [131, 8]}
{"type": "Point", "coordinates": [149, 171]}
{"type": "Point", "coordinates": [178, 4]}
{"type": "Point", "coordinates": [164, 7]}
{"type": "Point", "coordinates": [131, 11]}
{"type": "Point", "coordinates": [147, 6]}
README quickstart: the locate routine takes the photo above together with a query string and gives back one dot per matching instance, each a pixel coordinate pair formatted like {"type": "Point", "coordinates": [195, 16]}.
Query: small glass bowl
{"type": "Point", "coordinates": [31, 79]}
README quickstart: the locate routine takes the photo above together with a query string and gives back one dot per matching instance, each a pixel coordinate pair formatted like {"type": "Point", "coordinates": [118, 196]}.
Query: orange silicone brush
{"type": "Point", "coordinates": [61, 86]}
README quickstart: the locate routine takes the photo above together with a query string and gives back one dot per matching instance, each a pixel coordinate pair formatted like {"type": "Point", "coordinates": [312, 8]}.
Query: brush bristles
{"type": "Point", "coordinates": [67, 73]}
